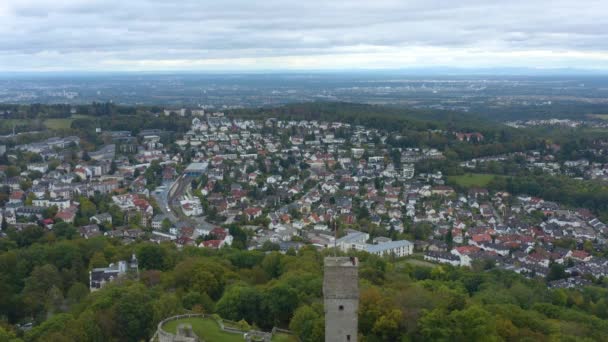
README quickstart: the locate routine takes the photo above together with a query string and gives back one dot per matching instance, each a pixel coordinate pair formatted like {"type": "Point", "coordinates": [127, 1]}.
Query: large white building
{"type": "Point", "coordinates": [196, 169]}
{"type": "Point", "coordinates": [191, 207]}
{"type": "Point", "coordinates": [40, 167]}
{"type": "Point", "coordinates": [355, 240]}
{"type": "Point", "coordinates": [99, 277]}
{"type": "Point", "coordinates": [408, 171]}
{"type": "Point", "coordinates": [61, 204]}
{"type": "Point", "coordinates": [398, 248]}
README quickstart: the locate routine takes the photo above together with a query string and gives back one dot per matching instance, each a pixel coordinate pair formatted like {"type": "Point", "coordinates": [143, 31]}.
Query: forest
{"type": "Point", "coordinates": [44, 280]}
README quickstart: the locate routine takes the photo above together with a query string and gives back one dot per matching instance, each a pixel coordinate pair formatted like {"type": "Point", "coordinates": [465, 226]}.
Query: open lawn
{"type": "Point", "coordinates": [57, 124]}
{"type": "Point", "coordinates": [284, 338]}
{"type": "Point", "coordinates": [63, 123]}
{"type": "Point", "coordinates": [593, 130]}
{"type": "Point", "coordinates": [599, 116]}
{"type": "Point", "coordinates": [205, 328]}
{"type": "Point", "coordinates": [472, 179]}
{"type": "Point", "coordinates": [417, 262]}
{"type": "Point", "coordinates": [9, 123]}
{"type": "Point", "coordinates": [53, 123]}
{"type": "Point", "coordinates": [210, 331]}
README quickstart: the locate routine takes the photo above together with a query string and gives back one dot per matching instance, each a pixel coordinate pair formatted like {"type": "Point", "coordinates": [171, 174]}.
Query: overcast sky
{"type": "Point", "coordinates": [108, 35]}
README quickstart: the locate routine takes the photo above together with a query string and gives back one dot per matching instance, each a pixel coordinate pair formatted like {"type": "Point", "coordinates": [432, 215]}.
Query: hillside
{"type": "Point", "coordinates": [399, 300]}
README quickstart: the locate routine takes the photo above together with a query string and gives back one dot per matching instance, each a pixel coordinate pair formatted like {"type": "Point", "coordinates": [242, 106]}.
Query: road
{"type": "Point", "coordinates": [168, 201]}
{"type": "Point", "coordinates": [162, 200]}
{"type": "Point", "coordinates": [497, 215]}
{"type": "Point", "coordinates": [168, 198]}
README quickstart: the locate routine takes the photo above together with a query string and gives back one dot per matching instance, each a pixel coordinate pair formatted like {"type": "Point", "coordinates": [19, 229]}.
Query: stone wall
{"type": "Point", "coordinates": [341, 298]}
{"type": "Point", "coordinates": [164, 336]}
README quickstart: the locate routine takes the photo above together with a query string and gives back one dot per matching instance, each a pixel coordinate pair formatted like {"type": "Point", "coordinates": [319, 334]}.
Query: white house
{"type": "Point", "coordinates": [398, 248]}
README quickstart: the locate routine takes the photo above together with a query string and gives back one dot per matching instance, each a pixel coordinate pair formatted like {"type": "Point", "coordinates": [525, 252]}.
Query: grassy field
{"type": "Point", "coordinates": [57, 124]}
{"type": "Point", "coordinates": [210, 331]}
{"type": "Point", "coordinates": [599, 116]}
{"type": "Point", "coordinates": [593, 131]}
{"type": "Point", "coordinates": [53, 124]}
{"type": "Point", "coordinates": [472, 179]}
{"type": "Point", "coordinates": [417, 262]}
{"type": "Point", "coordinates": [9, 123]}
{"type": "Point", "coordinates": [283, 338]}
{"type": "Point", "coordinates": [206, 329]}
{"type": "Point", "coordinates": [63, 123]}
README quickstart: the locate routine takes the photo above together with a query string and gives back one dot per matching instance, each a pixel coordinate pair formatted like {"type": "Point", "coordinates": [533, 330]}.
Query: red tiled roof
{"type": "Point", "coordinates": [219, 233]}
{"type": "Point", "coordinates": [212, 243]}
{"type": "Point", "coordinates": [65, 215]}
{"type": "Point", "coordinates": [579, 254]}
{"type": "Point", "coordinates": [467, 249]}
{"type": "Point", "coordinates": [481, 238]}
{"type": "Point", "coordinates": [253, 211]}
{"type": "Point", "coordinates": [16, 194]}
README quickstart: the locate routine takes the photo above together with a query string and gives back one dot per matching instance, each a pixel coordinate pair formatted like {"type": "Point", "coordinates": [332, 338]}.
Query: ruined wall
{"type": "Point", "coordinates": [187, 335]}
{"type": "Point", "coordinates": [164, 336]}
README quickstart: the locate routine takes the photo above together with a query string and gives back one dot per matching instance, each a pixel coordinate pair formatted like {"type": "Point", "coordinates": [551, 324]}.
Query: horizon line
{"type": "Point", "coordinates": [445, 70]}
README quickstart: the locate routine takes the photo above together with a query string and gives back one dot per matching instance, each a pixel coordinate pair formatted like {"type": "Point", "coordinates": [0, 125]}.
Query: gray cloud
{"type": "Point", "coordinates": [199, 34]}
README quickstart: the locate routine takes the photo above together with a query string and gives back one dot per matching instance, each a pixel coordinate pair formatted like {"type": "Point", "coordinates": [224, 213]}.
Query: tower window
{"type": "Point", "coordinates": [341, 307]}
{"type": "Point", "coordinates": [348, 337]}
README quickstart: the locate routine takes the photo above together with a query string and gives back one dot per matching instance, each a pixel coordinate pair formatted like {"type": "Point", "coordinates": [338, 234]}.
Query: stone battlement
{"type": "Point", "coordinates": [341, 262]}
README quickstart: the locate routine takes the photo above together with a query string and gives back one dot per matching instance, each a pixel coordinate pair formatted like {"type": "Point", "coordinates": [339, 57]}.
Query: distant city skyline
{"type": "Point", "coordinates": [241, 35]}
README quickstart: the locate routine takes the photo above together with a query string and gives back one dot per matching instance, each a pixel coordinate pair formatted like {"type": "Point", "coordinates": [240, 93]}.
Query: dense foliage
{"type": "Point", "coordinates": [44, 280]}
{"type": "Point", "coordinates": [576, 193]}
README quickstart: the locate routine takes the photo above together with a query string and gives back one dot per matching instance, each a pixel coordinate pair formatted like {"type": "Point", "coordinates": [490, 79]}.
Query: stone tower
{"type": "Point", "coordinates": [341, 298]}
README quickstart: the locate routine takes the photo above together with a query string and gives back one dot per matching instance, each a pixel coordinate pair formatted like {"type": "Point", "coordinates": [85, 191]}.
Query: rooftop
{"type": "Point", "coordinates": [197, 167]}
{"type": "Point", "coordinates": [387, 245]}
